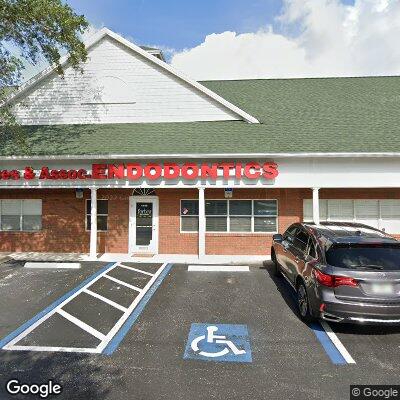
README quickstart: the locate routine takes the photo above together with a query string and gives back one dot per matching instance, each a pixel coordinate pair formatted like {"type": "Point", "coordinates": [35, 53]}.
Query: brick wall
{"type": "Point", "coordinates": [62, 223]}
{"type": "Point", "coordinates": [290, 210]}
{"type": "Point", "coordinates": [171, 241]}
{"type": "Point", "coordinates": [64, 220]}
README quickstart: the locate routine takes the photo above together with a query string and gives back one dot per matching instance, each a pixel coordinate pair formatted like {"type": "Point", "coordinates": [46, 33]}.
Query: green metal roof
{"type": "Point", "coordinates": [296, 115]}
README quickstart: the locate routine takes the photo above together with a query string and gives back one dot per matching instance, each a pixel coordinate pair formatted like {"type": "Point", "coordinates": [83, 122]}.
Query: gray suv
{"type": "Point", "coordinates": [342, 272]}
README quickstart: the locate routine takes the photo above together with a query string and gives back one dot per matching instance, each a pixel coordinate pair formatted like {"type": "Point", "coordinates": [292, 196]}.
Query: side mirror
{"type": "Point", "coordinates": [278, 238]}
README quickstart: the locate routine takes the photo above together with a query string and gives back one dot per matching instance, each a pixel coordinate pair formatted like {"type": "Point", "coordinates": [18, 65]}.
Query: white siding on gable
{"type": "Point", "coordinates": [117, 86]}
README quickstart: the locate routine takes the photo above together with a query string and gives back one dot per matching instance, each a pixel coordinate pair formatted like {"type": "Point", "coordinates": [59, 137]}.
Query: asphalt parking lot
{"type": "Point", "coordinates": [148, 356]}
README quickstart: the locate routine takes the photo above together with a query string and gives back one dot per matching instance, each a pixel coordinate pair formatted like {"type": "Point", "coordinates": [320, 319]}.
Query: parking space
{"type": "Point", "coordinates": [157, 354]}
{"type": "Point", "coordinates": [371, 345]}
{"type": "Point", "coordinates": [86, 319]}
{"type": "Point", "coordinates": [26, 292]}
{"type": "Point", "coordinates": [368, 346]}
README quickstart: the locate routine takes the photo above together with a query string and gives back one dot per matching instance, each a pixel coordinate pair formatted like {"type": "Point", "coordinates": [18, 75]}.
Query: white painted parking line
{"type": "Point", "coordinates": [338, 344]}
{"type": "Point", "coordinates": [122, 283]}
{"type": "Point", "coordinates": [54, 265]}
{"type": "Point", "coordinates": [218, 268]}
{"type": "Point", "coordinates": [136, 270]}
{"type": "Point", "coordinates": [105, 299]}
{"type": "Point", "coordinates": [52, 348]}
{"type": "Point", "coordinates": [81, 324]}
{"type": "Point", "coordinates": [10, 344]}
{"type": "Point", "coordinates": [83, 288]}
{"type": "Point", "coordinates": [131, 308]}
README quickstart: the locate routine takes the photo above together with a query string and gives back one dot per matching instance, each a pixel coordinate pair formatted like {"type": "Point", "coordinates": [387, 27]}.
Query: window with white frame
{"type": "Point", "coordinates": [216, 215]}
{"type": "Point", "coordinates": [240, 215]}
{"type": "Point", "coordinates": [236, 216]}
{"type": "Point", "coordinates": [265, 215]}
{"type": "Point", "coordinates": [102, 215]}
{"type": "Point", "coordinates": [189, 215]}
{"type": "Point", "coordinates": [21, 215]}
{"type": "Point", "coordinates": [382, 214]}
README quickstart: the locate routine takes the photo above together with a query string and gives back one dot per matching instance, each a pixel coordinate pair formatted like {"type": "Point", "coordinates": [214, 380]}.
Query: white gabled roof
{"type": "Point", "coordinates": [106, 32]}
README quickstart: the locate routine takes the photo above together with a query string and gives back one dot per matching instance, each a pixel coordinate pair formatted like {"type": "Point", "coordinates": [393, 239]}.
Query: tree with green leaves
{"type": "Point", "coordinates": [31, 30]}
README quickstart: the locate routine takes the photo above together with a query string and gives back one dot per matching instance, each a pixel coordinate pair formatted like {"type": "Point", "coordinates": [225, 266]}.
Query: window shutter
{"type": "Point", "coordinates": [390, 209]}
{"type": "Point", "coordinates": [323, 210]}
{"type": "Point", "coordinates": [367, 212]}
{"type": "Point", "coordinates": [390, 214]}
{"type": "Point", "coordinates": [307, 210]}
{"type": "Point", "coordinates": [340, 210]}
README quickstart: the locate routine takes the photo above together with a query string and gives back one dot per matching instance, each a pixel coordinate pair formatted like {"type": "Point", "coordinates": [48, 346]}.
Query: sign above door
{"type": "Point", "coordinates": [151, 171]}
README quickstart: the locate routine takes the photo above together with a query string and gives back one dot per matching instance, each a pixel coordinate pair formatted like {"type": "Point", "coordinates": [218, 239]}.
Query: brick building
{"type": "Point", "coordinates": [132, 157]}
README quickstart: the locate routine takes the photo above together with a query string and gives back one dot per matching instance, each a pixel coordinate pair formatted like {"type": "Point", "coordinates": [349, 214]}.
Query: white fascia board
{"type": "Point", "coordinates": [106, 32]}
{"type": "Point", "coordinates": [203, 156]}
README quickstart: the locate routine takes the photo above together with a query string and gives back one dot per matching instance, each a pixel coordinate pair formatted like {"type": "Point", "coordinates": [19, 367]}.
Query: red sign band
{"type": "Point", "coordinates": [151, 171]}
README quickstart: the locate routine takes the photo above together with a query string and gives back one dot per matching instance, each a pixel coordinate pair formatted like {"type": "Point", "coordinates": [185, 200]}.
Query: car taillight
{"type": "Point", "coordinates": [333, 280]}
{"type": "Point", "coordinates": [344, 281]}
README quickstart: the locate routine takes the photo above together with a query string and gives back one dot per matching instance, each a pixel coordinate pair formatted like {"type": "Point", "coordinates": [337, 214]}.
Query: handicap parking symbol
{"type": "Point", "coordinates": [218, 342]}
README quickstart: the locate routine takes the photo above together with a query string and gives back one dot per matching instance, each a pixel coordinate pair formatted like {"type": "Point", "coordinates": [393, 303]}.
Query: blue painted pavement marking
{"type": "Point", "coordinates": [52, 306]}
{"type": "Point", "coordinates": [330, 349]}
{"type": "Point", "coordinates": [117, 339]}
{"type": "Point", "coordinates": [218, 342]}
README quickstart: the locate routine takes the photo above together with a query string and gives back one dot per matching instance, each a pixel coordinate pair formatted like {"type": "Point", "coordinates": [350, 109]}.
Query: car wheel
{"type": "Point", "coordinates": [303, 303]}
{"type": "Point", "coordinates": [275, 264]}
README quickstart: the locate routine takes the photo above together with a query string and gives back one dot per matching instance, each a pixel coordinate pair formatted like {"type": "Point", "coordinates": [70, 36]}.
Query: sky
{"type": "Point", "coordinates": [177, 24]}
{"type": "Point", "coordinates": [239, 39]}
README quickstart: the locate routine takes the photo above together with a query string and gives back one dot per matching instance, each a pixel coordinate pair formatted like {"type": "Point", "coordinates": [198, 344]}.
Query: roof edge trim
{"type": "Point", "coordinates": [202, 155]}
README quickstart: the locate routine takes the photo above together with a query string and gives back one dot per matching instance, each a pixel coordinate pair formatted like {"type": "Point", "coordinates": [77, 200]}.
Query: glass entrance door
{"type": "Point", "coordinates": [143, 224]}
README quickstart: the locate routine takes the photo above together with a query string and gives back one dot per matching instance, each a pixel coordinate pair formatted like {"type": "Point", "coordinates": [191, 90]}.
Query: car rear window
{"type": "Point", "coordinates": [371, 257]}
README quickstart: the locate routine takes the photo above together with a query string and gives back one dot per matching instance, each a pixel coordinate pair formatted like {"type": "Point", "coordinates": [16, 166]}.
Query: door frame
{"type": "Point", "coordinates": [132, 223]}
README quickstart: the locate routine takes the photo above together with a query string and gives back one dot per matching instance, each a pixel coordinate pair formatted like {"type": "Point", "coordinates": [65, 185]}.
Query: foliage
{"type": "Point", "coordinates": [31, 30]}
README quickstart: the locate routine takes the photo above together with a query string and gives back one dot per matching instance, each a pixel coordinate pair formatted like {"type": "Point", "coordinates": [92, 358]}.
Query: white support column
{"type": "Point", "coordinates": [93, 224]}
{"type": "Point", "coordinates": [315, 205]}
{"type": "Point", "coordinates": [202, 223]}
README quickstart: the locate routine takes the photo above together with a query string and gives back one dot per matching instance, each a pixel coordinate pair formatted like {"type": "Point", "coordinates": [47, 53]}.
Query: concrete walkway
{"type": "Point", "coordinates": [109, 257]}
